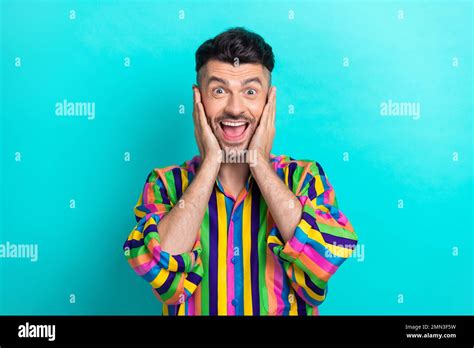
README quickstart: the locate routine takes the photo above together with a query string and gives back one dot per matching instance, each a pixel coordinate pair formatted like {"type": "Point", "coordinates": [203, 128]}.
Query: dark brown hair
{"type": "Point", "coordinates": [246, 46]}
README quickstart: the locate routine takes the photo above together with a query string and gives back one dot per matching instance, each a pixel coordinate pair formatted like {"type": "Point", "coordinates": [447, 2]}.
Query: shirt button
{"type": "Point", "coordinates": [235, 302]}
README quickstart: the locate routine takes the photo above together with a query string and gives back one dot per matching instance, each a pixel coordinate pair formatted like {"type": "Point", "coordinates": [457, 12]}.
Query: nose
{"type": "Point", "coordinates": [235, 105]}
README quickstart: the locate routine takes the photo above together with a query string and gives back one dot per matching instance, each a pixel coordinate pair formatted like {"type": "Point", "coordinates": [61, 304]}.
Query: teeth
{"type": "Point", "coordinates": [233, 124]}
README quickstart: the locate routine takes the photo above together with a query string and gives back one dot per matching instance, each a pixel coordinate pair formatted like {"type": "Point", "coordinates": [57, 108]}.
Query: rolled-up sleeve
{"type": "Point", "coordinates": [174, 278]}
{"type": "Point", "coordinates": [323, 239]}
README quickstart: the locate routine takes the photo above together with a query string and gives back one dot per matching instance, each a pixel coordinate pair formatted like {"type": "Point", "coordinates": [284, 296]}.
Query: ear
{"type": "Point", "coordinates": [195, 85]}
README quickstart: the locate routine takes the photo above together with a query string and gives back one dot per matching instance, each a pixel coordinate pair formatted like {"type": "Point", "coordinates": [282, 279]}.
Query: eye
{"type": "Point", "coordinates": [219, 90]}
{"type": "Point", "coordinates": [251, 91]}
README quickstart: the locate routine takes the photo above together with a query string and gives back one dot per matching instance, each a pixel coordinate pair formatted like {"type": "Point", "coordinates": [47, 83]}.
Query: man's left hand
{"type": "Point", "coordinates": [262, 139]}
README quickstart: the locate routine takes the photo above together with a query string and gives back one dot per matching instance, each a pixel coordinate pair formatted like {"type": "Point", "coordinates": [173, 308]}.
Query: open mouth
{"type": "Point", "coordinates": [234, 131]}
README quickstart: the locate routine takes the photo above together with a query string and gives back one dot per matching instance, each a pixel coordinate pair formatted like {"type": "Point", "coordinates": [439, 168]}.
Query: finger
{"type": "Point", "coordinates": [194, 105]}
{"type": "Point", "coordinates": [272, 115]}
{"type": "Point", "coordinates": [270, 107]}
{"type": "Point", "coordinates": [196, 121]}
{"type": "Point", "coordinates": [197, 129]}
{"type": "Point", "coordinates": [202, 116]}
{"type": "Point", "coordinates": [263, 118]}
{"type": "Point", "coordinates": [198, 94]}
{"type": "Point", "coordinates": [207, 132]}
{"type": "Point", "coordinates": [195, 92]}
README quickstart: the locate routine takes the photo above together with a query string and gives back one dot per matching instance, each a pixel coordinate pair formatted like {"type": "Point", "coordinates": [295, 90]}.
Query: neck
{"type": "Point", "coordinates": [233, 176]}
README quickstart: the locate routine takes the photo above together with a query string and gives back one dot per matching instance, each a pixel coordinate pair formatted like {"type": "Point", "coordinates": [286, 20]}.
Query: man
{"type": "Point", "coordinates": [238, 230]}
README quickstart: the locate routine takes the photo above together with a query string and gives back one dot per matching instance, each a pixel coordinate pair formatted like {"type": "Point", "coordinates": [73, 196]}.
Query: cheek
{"type": "Point", "coordinates": [257, 108]}
{"type": "Point", "coordinates": [211, 108]}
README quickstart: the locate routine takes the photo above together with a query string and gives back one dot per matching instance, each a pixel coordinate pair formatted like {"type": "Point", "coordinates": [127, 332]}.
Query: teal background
{"type": "Point", "coordinates": [407, 251]}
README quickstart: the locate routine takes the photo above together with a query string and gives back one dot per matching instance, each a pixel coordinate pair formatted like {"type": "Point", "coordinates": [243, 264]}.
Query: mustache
{"type": "Point", "coordinates": [228, 117]}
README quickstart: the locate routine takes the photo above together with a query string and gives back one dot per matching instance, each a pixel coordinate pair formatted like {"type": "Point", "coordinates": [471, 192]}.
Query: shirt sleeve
{"type": "Point", "coordinates": [174, 278]}
{"type": "Point", "coordinates": [323, 239]}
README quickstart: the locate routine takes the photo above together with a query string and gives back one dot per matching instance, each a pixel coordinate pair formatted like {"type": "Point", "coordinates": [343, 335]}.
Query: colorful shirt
{"type": "Point", "coordinates": [239, 264]}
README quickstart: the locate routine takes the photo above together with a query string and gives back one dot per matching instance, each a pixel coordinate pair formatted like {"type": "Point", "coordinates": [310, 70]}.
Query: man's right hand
{"type": "Point", "coordinates": [179, 228]}
{"type": "Point", "coordinates": [205, 138]}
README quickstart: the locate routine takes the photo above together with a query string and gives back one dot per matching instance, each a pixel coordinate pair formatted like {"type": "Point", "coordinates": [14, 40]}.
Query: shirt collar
{"type": "Point", "coordinates": [248, 185]}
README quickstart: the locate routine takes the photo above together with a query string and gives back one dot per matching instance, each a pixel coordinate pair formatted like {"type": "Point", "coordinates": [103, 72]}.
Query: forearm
{"type": "Point", "coordinates": [179, 227]}
{"type": "Point", "coordinates": [284, 206]}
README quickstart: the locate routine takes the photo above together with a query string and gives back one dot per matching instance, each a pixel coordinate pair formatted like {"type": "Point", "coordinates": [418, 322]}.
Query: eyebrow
{"type": "Point", "coordinates": [252, 79]}
{"type": "Point", "coordinates": [226, 82]}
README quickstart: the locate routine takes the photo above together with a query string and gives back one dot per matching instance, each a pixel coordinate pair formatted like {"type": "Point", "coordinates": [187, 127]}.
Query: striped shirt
{"type": "Point", "coordinates": [239, 264]}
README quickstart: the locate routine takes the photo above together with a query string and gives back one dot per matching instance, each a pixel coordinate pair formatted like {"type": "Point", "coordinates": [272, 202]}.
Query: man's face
{"type": "Point", "coordinates": [233, 98]}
